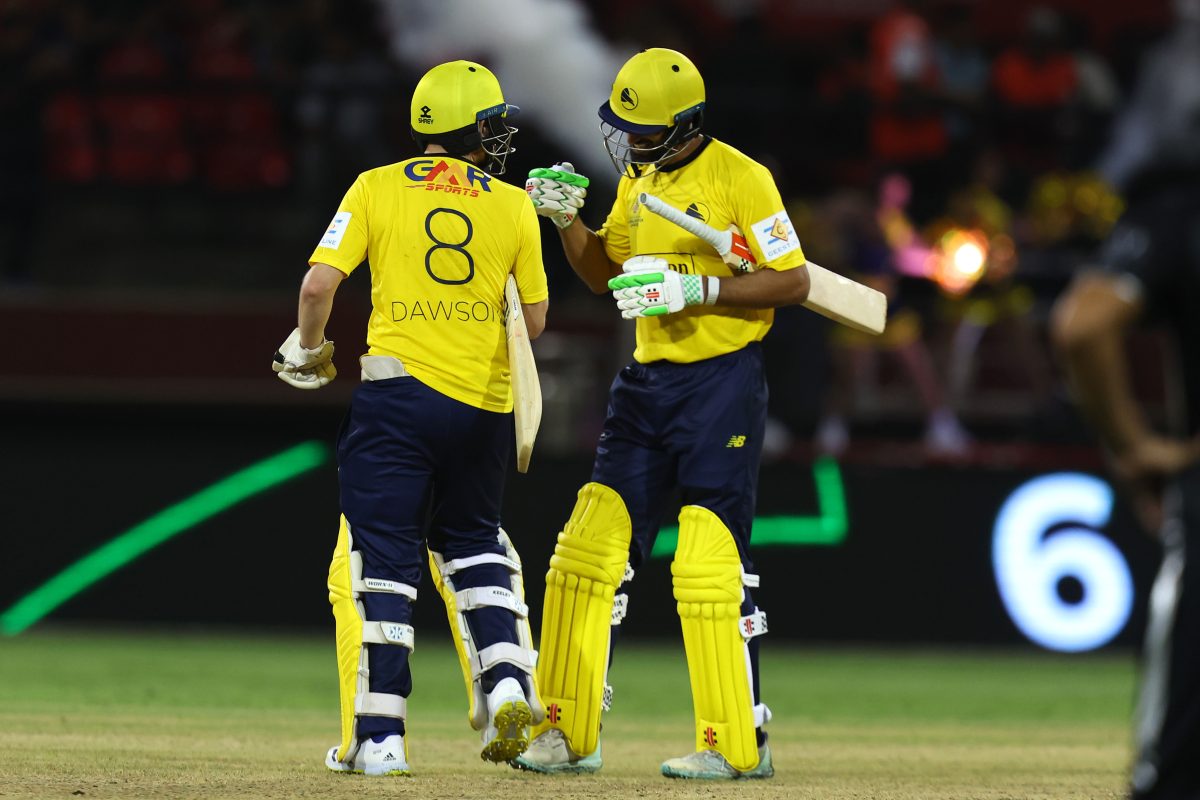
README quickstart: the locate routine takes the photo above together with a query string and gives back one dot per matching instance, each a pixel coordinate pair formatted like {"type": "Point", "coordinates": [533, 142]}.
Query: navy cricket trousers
{"type": "Point", "coordinates": [413, 466]}
{"type": "Point", "coordinates": [693, 427]}
{"type": "Point", "coordinates": [696, 428]}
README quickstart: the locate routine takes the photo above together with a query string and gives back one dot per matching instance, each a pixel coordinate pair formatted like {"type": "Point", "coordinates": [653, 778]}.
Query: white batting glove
{"type": "Point", "coordinates": [557, 192]}
{"type": "Point", "coordinates": [649, 289]}
{"type": "Point", "coordinates": [304, 368]}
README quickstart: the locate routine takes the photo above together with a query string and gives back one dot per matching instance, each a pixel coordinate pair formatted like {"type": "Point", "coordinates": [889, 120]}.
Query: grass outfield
{"type": "Point", "coordinates": [187, 716]}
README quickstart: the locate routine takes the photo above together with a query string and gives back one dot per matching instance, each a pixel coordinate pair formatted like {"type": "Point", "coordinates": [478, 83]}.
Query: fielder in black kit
{"type": "Point", "coordinates": [1149, 271]}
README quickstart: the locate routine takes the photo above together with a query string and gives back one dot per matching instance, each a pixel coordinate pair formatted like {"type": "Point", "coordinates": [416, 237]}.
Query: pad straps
{"type": "Point", "coordinates": [388, 633]}
{"type": "Point", "coordinates": [360, 584]}
{"type": "Point", "coordinates": [459, 564]}
{"type": "Point", "coordinates": [494, 596]}
{"type": "Point", "coordinates": [504, 653]}
{"type": "Point", "coordinates": [753, 624]}
{"type": "Point", "coordinates": [620, 608]}
{"type": "Point", "coordinates": [377, 704]}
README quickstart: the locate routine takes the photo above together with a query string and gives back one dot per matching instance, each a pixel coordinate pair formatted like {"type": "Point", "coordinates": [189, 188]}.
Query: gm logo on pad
{"type": "Point", "coordinates": [629, 98]}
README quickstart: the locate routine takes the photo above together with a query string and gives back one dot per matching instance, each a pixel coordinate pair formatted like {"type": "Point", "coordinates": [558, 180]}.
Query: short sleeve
{"type": "Point", "coordinates": [529, 270]}
{"type": "Point", "coordinates": [344, 243]}
{"type": "Point", "coordinates": [758, 211]}
{"type": "Point", "coordinates": [614, 233]}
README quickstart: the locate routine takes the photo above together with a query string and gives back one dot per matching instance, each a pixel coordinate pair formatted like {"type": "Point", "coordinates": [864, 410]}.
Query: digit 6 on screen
{"type": "Point", "coordinates": [1046, 531]}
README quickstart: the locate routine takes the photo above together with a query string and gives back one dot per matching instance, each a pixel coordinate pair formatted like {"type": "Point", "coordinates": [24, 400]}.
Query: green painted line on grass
{"type": "Point", "coordinates": [827, 529]}
{"type": "Point", "coordinates": [166, 524]}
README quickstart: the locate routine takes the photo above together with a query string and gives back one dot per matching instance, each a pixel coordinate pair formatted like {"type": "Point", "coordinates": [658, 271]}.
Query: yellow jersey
{"type": "Point", "coordinates": [719, 186]}
{"type": "Point", "coordinates": [441, 237]}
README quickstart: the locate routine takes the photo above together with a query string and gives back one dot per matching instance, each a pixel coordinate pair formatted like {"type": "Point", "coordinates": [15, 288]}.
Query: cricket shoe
{"type": "Point", "coordinates": [550, 754]}
{"type": "Point", "coordinates": [711, 766]}
{"type": "Point", "coordinates": [509, 716]}
{"type": "Point", "coordinates": [374, 758]}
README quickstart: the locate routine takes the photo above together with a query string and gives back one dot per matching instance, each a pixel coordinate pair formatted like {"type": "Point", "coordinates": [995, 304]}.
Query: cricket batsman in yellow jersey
{"type": "Point", "coordinates": [430, 427]}
{"type": "Point", "coordinates": [687, 414]}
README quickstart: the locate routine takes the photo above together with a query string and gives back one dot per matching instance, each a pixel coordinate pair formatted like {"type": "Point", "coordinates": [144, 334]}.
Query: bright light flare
{"type": "Point", "coordinates": [963, 260]}
{"type": "Point", "coordinates": [968, 259]}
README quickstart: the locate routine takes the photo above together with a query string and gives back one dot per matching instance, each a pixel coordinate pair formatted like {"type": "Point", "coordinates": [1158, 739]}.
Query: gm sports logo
{"type": "Point", "coordinates": [436, 175]}
{"type": "Point", "coordinates": [776, 235]}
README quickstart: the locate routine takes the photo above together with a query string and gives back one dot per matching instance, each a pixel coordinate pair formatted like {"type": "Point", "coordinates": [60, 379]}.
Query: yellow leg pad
{"type": "Point", "coordinates": [707, 576]}
{"type": "Point", "coordinates": [460, 646]}
{"type": "Point", "coordinates": [587, 567]}
{"type": "Point", "coordinates": [348, 628]}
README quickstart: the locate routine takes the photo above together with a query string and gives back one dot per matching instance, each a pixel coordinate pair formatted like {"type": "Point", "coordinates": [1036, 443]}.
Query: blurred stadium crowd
{"type": "Point", "coordinates": [954, 154]}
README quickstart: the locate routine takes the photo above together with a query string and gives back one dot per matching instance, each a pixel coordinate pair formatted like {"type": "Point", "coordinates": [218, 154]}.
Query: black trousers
{"type": "Point", "coordinates": [1167, 732]}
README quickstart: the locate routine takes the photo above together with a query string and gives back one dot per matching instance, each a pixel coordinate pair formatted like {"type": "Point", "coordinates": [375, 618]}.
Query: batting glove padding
{"type": "Point", "coordinates": [557, 192]}
{"type": "Point", "coordinates": [304, 368]}
{"type": "Point", "coordinates": [649, 289]}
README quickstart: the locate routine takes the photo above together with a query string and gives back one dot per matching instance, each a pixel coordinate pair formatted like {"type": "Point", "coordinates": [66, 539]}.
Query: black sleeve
{"type": "Point", "coordinates": [1149, 243]}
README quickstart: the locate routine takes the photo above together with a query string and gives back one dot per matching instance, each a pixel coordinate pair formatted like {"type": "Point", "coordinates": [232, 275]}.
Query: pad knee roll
{"type": "Point", "coordinates": [707, 578]}
{"type": "Point", "coordinates": [354, 632]}
{"type": "Point", "coordinates": [588, 565]}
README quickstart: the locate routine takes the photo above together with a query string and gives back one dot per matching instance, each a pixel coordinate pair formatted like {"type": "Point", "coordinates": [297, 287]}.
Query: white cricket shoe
{"type": "Point", "coordinates": [509, 716]}
{"type": "Point", "coordinates": [382, 758]}
{"type": "Point", "coordinates": [711, 765]}
{"type": "Point", "coordinates": [549, 754]}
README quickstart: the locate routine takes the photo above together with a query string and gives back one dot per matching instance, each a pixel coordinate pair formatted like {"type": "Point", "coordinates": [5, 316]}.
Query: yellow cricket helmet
{"type": "Point", "coordinates": [460, 106]}
{"type": "Point", "coordinates": [656, 90]}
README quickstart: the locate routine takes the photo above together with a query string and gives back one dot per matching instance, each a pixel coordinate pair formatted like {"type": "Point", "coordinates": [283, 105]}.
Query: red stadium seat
{"type": "Point", "coordinates": [71, 152]}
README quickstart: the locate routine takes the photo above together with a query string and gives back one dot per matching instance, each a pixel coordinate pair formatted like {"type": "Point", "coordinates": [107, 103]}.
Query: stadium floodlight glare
{"type": "Point", "coordinates": [166, 524]}
{"type": "Point", "coordinates": [827, 529]}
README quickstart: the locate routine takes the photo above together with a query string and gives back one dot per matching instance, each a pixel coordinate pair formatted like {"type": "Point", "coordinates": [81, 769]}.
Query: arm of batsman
{"type": "Point", "coordinates": [557, 192]}
{"type": "Point", "coordinates": [648, 288]}
{"type": "Point", "coordinates": [301, 367]}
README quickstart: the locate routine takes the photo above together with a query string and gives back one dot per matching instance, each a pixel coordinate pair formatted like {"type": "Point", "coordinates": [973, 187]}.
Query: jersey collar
{"type": "Point", "coordinates": [692, 156]}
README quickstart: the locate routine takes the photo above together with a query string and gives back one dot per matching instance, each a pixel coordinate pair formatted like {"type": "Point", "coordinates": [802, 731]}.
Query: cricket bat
{"type": "Point", "coordinates": [526, 390]}
{"type": "Point", "coordinates": [830, 295]}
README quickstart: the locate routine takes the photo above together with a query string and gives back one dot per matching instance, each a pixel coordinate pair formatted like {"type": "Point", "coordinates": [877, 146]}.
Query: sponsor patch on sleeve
{"type": "Point", "coordinates": [776, 236]}
{"type": "Point", "coordinates": [337, 229]}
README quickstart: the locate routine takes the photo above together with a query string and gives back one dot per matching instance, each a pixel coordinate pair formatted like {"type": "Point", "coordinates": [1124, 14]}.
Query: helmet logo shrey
{"type": "Point", "coordinates": [425, 119]}
{"type": "Point", "coordinates": [629, 98]}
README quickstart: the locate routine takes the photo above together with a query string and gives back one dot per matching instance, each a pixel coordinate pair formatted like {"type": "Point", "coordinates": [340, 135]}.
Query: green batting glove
{"type": "Point", "coordinates": [649, 289]}
{"type": "Point", "coordinates": [564, 175]}
{"type": "Point", "coordinates": [557, 192]}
